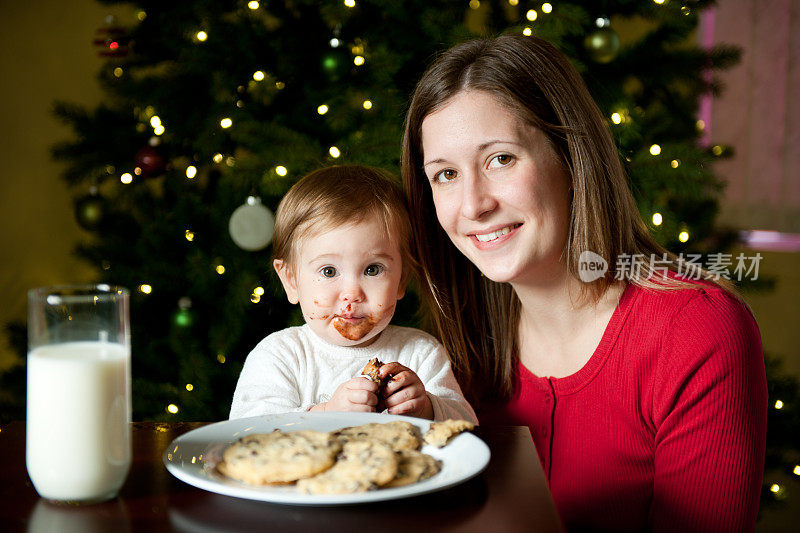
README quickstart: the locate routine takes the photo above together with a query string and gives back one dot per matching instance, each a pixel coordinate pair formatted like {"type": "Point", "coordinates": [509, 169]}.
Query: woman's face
{"type": "Point", "coordinates": [501, 193]}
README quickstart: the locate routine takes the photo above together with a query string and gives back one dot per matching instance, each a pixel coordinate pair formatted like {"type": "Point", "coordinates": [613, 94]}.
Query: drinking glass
{"type": "Point", "coordinates": [77, 442]}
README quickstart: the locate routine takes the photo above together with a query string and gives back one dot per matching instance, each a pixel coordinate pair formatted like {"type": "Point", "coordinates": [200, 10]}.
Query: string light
{"type": "Point", "coordinates": [358, 60]}
{"type": "Point", "coordinates": [118, 72]}
{"type": "Point", "coordinates": [367, 104]}
{"type": "Point", "coordinates": [226, 123]}
{"type": "Point", "coordinates": [155, 121]}
{"type": "Point", "coordinates": [335, 42]}
{"type": "Point", "coordinates": [675, 163]}
{"type": "Point", "coordinates": [258, 291]}
{"type": "Point", "coordinates": [616, 118]}
{"type": "Point", "coordinates": [716, 150]}
{"type": "Point", "coordinates": [158, 130]}
{"type": "Point", "coordinates": [191, 171]}
{"type": "Point", "coordinates": [655, 149]}
{"type": "Point", "coordinates": [683, 236]}
{"type": "Point", "coordinates": [350, 3]}
{"type": "Point", "coordinates": [527, 31]}
{"type": "Point", "coordinates": [145, 288]}
{"type": "Point", "coordinates": [547, 8]}
{"type": "Point", "coordinates": [255, 298]}
{"type": "Point", "coordinates": [334, 151]}
{"type": "Point", "coordinates": [172, 408]}
{"type": "Point", "coordinates": [221, 358]}
{"type": "Point", "coordinates": [201, 36]}
{"type": "Point", "coordinates": [322, 109]}
{"type": "Point", "coordinates": [513, 2]}
{"type": "Point", "coordinates": [531, 15]}
{"type": "Point", "coordinates": [659, 2]}
{"type": "Point", "coordinates": [189, 234]}
{"type": "Point", "coordinates": [220, 269]}
{"type": "Point", "coordinates": [258, 75]}
{"type": "Point", "coordinates": [126, 178]}
{"type": "Point", "coordinates": [701, 125]}
{"type": "Point", "coordinates": [280, 170]}
{"type": "Point", "coordinates": [279, 85]}
{"type": "Point", "coordinates": [137, 171]}
{"type": "Point", "coordinates": [252, 5]}
{"type": "Point", "coordinates": [796, 470]}
{"type": "Point", "coordinates": [141, 15]}
{"type": "Point", "coordinates": [474, 4]}
{"type": "Point", "coordinates": [657, 219]}
{"type": "Point", "coordinates": [218, 158]}
{"type": "Point", "coordinates": [189, 387]}
{"type": "Point", "coordinates": [778, 404]}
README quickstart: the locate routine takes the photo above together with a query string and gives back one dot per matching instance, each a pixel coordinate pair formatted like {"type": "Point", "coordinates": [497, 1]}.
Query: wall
{"type": "Point", "coordinates": [759, 115]}
{"type": "Point", "coordinates": [46, 53]}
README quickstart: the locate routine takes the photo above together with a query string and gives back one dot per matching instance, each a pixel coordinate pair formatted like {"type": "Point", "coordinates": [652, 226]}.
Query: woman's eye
{"type": "Point", "coordinates": [373, 270]}
{"type": "Point", "coordinates": [328, 272]}
{"type": "Point", "coordinates": [501, 160]}
{"type": "Point", "coordinates": [447, 174]}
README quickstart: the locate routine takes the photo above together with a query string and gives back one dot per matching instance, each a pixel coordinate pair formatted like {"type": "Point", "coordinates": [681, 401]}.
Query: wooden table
{"type": "Point", "coordinates": [510, 495]}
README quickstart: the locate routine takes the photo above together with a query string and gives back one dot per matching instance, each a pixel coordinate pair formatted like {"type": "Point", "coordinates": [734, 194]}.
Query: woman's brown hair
{"type": "Point", "coordinates": [477, 319]}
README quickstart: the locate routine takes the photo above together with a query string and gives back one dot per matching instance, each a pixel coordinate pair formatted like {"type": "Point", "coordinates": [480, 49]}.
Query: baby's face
{"type": "Point", "coordinates": [347, 281]}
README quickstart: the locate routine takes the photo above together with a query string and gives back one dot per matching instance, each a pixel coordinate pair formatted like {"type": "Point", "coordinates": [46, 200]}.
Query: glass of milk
{"type": "Point", "coordinates": [78, 444]}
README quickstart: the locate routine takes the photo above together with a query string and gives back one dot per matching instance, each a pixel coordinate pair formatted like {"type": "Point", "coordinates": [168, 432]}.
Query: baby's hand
{"type": "Point", "coordinates": [404, 393]}
{"type": "Point", "coordinates": [358, 394]}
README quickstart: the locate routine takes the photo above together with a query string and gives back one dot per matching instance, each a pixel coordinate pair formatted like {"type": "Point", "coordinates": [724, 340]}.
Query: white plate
{"type": "Point", "coordinates": [193, 457]}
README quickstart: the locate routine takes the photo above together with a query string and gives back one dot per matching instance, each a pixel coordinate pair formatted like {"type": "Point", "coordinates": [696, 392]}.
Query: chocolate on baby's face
{"type": "Point", "coordinates": [348, 282]}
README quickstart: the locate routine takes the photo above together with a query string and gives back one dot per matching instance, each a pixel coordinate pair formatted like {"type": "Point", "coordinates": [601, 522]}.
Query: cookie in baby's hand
{"type": "Point", "coordinates": [370, 371]}
{"type": "Point", "coordinates": [440, 433]}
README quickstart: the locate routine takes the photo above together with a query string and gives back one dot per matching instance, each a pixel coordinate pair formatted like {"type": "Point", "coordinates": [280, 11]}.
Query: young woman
{"type": "Point", "coordinates": [644, 389]}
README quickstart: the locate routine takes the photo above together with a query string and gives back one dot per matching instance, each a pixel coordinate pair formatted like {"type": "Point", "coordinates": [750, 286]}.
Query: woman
{"type": "Point", "coordinates": [644, 390]}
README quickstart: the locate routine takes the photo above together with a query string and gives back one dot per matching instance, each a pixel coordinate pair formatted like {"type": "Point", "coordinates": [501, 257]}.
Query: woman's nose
{"type": "Point", "coordinates": [476, 197]}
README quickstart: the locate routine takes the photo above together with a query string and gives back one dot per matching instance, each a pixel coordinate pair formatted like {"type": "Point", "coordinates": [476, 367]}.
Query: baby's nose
{"type": "Point", "coordinates": [352, 292]}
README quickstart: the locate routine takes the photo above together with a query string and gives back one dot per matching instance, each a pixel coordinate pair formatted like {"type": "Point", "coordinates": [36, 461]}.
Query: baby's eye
{"type": "Point", "coordinates": [373, 270]}
{"type": "Point", "coordinates": [328, 271]}
{"type": "Point", "coordinates": [500, 160]}
{"type": "Point", "coordinates": [445, 175]}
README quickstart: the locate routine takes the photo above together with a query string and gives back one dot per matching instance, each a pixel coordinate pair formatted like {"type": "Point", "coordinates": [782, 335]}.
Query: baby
{"type": "Point", "coordinates": [341, 250]}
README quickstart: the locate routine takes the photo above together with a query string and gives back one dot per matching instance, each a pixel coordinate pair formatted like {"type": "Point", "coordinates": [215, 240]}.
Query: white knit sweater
{"type": "Point", "coordinates": [293, 369]}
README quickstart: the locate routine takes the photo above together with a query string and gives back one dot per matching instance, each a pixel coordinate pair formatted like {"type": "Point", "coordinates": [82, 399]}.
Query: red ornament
{"type": "Point", "coordinates": [112, 40]}
{"type": "Point", "coordinates": [150, 161]}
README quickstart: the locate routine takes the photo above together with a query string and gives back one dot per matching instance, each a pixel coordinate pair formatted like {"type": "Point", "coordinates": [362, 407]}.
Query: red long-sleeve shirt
{"type": "Point", "coordinates": [664, 428]}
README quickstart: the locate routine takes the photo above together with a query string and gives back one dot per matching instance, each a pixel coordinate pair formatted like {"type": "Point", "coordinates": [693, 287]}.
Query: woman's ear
{"type": "Point", "coordinates": [287, 280]}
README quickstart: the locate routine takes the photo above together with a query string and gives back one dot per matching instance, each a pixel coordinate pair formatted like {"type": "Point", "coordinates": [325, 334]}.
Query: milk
{"type": "Point", "coordinates": [78, 420]}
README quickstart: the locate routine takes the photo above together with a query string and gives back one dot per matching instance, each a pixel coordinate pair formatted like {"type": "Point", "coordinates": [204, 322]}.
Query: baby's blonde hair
{"type": "Point", "coordinates": [338, 195]}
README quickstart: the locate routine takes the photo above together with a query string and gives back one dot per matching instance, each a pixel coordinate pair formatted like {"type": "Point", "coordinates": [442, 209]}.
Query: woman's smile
{"type": "Point", "coordinates": [487, 238]}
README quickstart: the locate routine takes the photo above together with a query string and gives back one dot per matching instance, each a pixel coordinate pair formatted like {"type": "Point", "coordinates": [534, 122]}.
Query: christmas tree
{"type": "Point", "coordinates": [217, 107]}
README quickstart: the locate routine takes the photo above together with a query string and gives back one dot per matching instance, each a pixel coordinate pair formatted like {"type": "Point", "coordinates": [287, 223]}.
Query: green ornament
{"type": "Point", "coordinates": [184, 316]}
{"type": "Point", "coordinates": [602, 44]}
{"type": "Point", "coordinates": [335, 63]}
{"type": "Point", "coordinates": [90, 210]}
{"type": "Point", "coordinates": [330, 62]}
